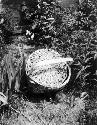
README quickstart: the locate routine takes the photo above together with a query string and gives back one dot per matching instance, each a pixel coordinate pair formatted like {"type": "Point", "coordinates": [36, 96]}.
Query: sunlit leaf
{"type": "Point", "coordinates": [50, 19]}
{"type": "Point", "coordinates": [45, 3]}
{"type": "Point", "coordinates": [3, 98]}
{"type": "Point", "coordinates": [32, 36]}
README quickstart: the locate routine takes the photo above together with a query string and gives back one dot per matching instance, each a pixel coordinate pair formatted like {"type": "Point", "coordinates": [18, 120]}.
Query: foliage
{"type": "Point", "coordinates": [72, 32]}
{"type": "Point", "coordinates": [43, 112]}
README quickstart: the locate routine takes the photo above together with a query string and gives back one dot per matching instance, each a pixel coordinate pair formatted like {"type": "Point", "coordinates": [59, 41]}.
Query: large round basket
{"type": "Point", "coordinates": [46, 70]}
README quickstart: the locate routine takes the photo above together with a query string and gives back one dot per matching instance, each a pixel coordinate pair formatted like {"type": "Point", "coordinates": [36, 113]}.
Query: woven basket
{"type": "Point", "coordinates": [47, 68]}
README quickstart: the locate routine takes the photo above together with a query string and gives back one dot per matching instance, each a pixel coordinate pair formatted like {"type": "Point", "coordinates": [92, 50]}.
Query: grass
{"type": "Point", "coordinates": [25, 112]}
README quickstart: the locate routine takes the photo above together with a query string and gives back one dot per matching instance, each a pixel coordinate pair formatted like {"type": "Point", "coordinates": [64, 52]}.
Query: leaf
{"type": "Point", "coordinates": [3, 98]}
{"type": "Point", "coordinates": [50, 28]}
{"type": "Point", "coordinates": [45, 23]}
{"type": "Point", "coordinates": [86, 75]}
{"type": "Point", "coordinates": [45, 3]}
{"type": "Point", "coordinates": [95, 56]}
{"type": "Point", "coordinates": [90, 54]}
{"type": "Point", "coordinates": [34, 26]}
{"type": "Point", "coordinates": [32, 36]}
{"type": "Point", "coordinates": [89, 60]}
{"type": "Point", "coordinates": [88, 68]}
{"type": "Point", "coordinates": [47, 36]}
{"type": "Point", "coordinates": [1, 21]}
{"type": "Point", "coordinates": [90, 76]}
{"type": "Point", "coordinates": [84, 95]}
{"type": "Point", "coordinates": [50, 19]}
{"type": "Point", "coordinates": [53, 3]}
{"type": "Point", "coordinates": [79, 73]}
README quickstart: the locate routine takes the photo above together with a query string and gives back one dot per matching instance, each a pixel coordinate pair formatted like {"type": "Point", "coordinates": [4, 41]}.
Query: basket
{"type": "Point", "coordinates": [47, 68]}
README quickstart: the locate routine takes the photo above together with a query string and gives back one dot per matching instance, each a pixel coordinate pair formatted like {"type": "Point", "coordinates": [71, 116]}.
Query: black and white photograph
{"type": "Point", "coordinates": [48, 62]}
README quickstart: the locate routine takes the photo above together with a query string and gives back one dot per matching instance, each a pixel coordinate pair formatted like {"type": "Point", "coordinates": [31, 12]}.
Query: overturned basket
{"type": "Point", "coordinates": [48, 70]}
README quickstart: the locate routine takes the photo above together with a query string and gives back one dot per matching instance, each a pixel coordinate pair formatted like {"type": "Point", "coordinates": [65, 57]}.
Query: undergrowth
{"type": "Point", "coordinates": [72, 32]}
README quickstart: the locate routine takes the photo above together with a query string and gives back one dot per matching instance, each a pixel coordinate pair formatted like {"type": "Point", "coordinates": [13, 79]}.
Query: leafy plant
{"type": "Point", "coordinates": [3, 99]}
{"type": "Point", "coordinates": [72, 32]}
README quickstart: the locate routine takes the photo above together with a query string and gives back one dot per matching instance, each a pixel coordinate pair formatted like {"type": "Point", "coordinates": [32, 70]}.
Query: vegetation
{"type": "Point", "coordinates": [72, 32]}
